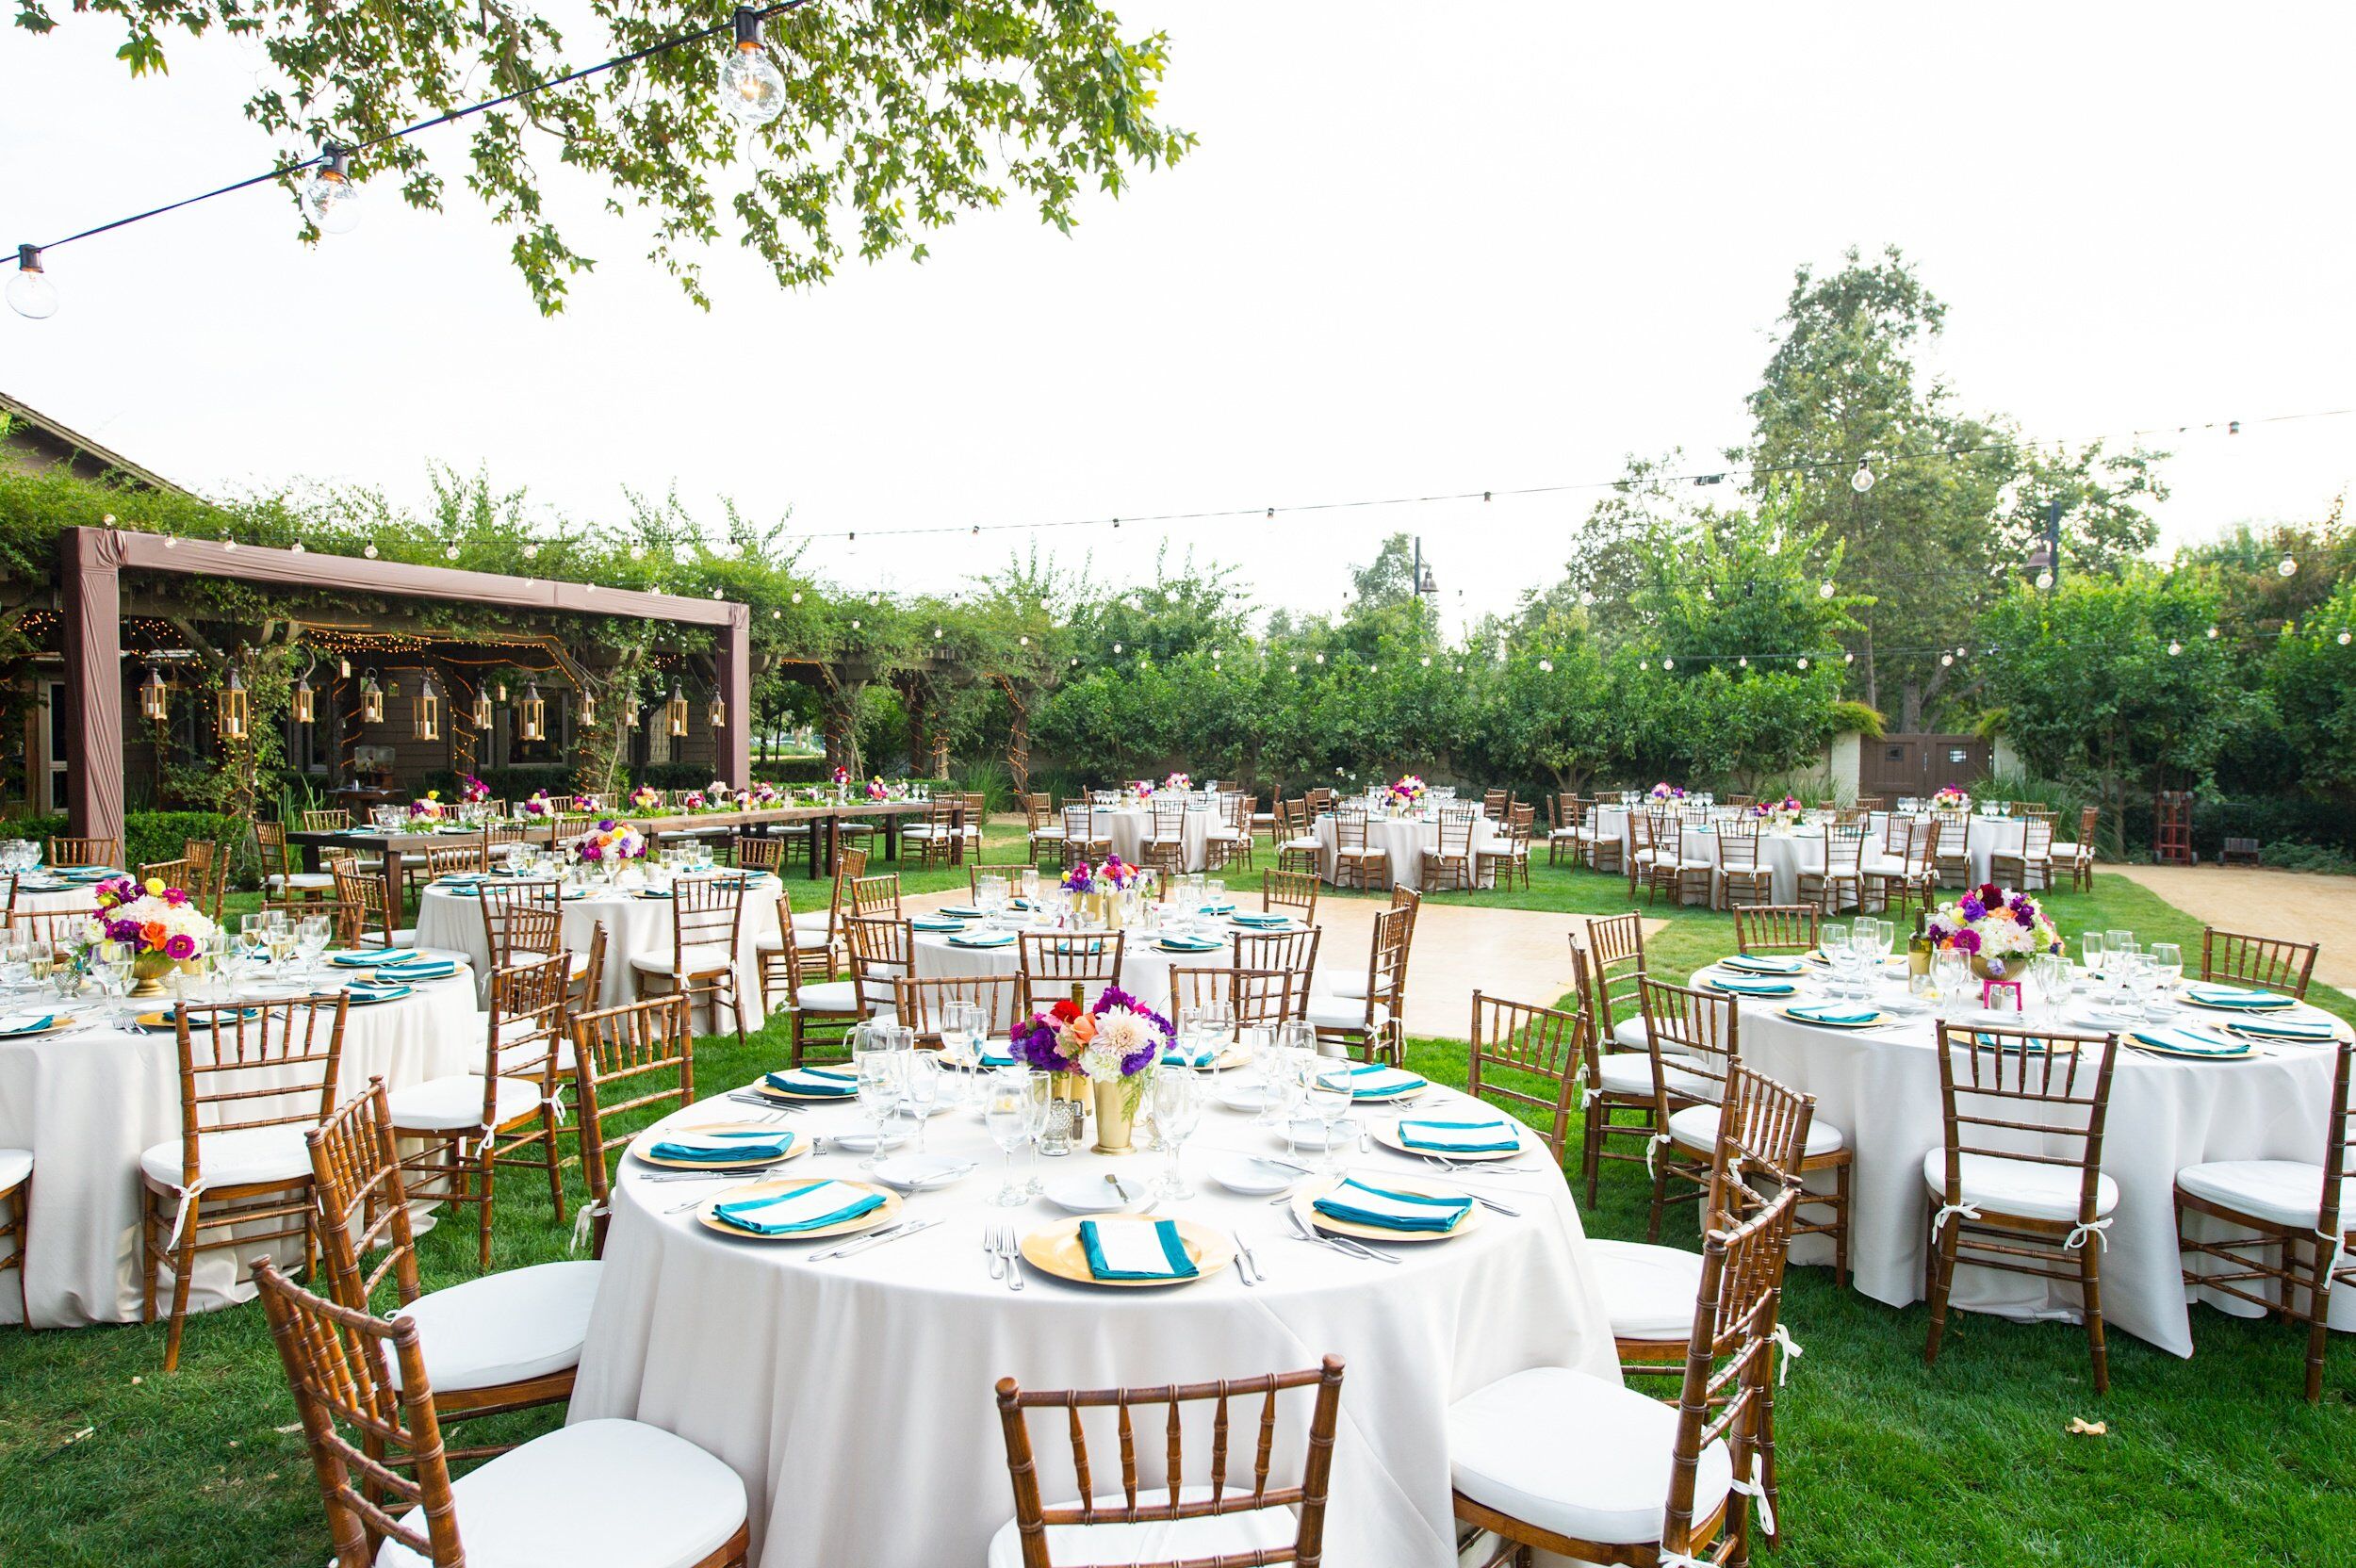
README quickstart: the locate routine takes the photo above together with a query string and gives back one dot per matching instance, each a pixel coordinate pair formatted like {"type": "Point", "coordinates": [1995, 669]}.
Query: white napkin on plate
{"type": "Point", "coordinates": [1131, 1247]}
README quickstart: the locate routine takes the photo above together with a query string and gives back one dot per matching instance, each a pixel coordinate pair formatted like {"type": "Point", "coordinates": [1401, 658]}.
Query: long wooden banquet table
{"type": "Point", "coordinates": [396, 847]}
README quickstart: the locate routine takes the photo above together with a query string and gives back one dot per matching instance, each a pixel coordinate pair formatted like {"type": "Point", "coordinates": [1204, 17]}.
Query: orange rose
{"type": "Point", "coordinates": [153, 934]}
{"type": "Point", "coordinates": [1082, 1029]}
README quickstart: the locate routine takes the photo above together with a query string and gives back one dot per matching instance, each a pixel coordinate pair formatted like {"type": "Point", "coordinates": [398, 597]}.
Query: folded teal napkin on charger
{"type": "Point", "coordinates": [815, 1080]}
{"type": "Point", "coordinates": [363, 993]}
{"type": "Point", "coordinates": [1124, 1249]}
{"type": "Point", "coordinates": [1833, 1012]}
{"type": "Point", "coordinates": [2189, 1042]}
{"type": "Point", "coordinates": [2235, 996]}
{"type": "Point", "coordinates": [26, 1023]}
{"type": "Point", "coordinates": [1270, 920]}
{"type": "Point", "coordinates": [1372, 1078]}
{"type": "Point", "coordinates": [2284, 1029]}
{"type": "Point", "coordinates": [771, 1145]}
{"type": "Point", "coordinates": [1753, 963]}
{"type": "Point", "coordinates": [1738, 986]}
{"type": "Point", "coordinates": [1361, 1205]}
{"type": "Point", "coordinates": [810, 1208]}
{"type": "Point", "coordinates": [1459, 1137]}
{"type": "Point", "coordinates": [980, 939]}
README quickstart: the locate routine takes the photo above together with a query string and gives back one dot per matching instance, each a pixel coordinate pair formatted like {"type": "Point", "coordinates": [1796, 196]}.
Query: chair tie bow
{"type": "Point", "coordinates": [1792, 1353]}
{"type": "Point", "coordinates": [1757, 1492]}
{"type": "Point", "coordinates": [1948, 1211]}
{"type": "Point", "coordinates": [588, 1216]}
{"type": "Point", "coordinates": [2095, 1228]}
{"type": "Point", "coordinates": [180, 1215]}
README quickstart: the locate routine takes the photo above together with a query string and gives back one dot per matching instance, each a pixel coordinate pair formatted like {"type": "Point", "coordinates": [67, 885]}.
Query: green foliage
{"type": "Point", "coordinates": [899, 116]}
{"type": "Point", "coordinates": [2312, 676]}
{"type": "Point", "coordinates": [148, 836]}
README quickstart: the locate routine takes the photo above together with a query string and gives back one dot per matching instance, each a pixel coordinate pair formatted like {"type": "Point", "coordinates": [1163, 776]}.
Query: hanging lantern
{"type": "Point", "coordinates": [154, 697]}
{"type": "Point", "coordinates": [531, 722]}
{"type": "Point", "coordinates": [629, 709]}
{"type": "Point", "coordinates": [502, 688]}
{"type": "Point", "coordinates": [588, 709]}
{"type": "Point", "coordinates": [371, 701]}
{"type": "Point", "coordinates": [483, 707]}
{"type": "Point", "coordinates": [429, 711]}
{"type": "Point", "coordinates": [343, 668]}
{"type": "Point", "coordinates": [676, 707]}
{"type": "Point", "coordinates": [236, 709]}
{"type": "Point", "coordinates": [305, 700]}
{"type": "Point", "coordinates": [719, 714]}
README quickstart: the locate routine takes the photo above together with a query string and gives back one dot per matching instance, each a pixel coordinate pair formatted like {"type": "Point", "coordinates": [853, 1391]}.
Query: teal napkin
{"type": "Point", "coordinates": [920, 923]}
{"type": "Point", "coordinates": [2284, 1029]}
{"type": "Point", "coordinates": [1179, 1266]}
{"type": "Point", "coordinates": [1750, 963]}
{"type": "Point", "coordinates": [364, 958]}
{"type": "Point", "coordinates": [749, 1215]}
{"type": "Point", "coordinates": [417, 968]}
{"type": "Point", "coordinates": [85, 873]}
{"type": "Point", "coordinates": [725, 1146]}
{"type": "Point", "coordinates": [815, 1080]}
{"type": "Point", "coordinates": [993, 1054]}
{"type": "Point", "coordinates": [1833, 1012]}
{"type": "Point", "coordinates": [1371, 1079]}
{"type": "Point", "coordinates": [654, 893]}
{"type": "Point", "coordinates": [959, 911]}
{"type": "Point", "coordinates": [363, 993]}
{"type": "Point", "coordinates": [1361, 1204]}
{"type": "Point", "coordinates": [2189, 1042]}
{"type": "Point", "coordinates": [1459, 1137]}
{"type": "Point", "coordinates": [460, 890]}
{"type": "Point", "coordinates": [1262, 920]}
{"type": "Point", "coordinates": [1191, 945]}
{"type": "Point", "coordinates": [1754, 988]}
{"type": "Point", "coordinates": [981, 939]}
{"type": "Point", "coordinates": [2235, 996]}
{"type": "Point", "coordinates": [1175, 1058]}
{"type": "Point", "coordinates": [26, 1023]}
{"type": "Point", "coordinates": [1227, 908]}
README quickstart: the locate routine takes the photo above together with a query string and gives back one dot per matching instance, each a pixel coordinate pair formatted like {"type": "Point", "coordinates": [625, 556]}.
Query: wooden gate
{"type": "Point", "coordinates": [1900, 765]}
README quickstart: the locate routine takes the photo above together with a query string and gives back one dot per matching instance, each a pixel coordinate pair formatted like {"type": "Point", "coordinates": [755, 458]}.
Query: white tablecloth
{"type": "Point", "coordinates": [1129, 826]}
{"type": "Point", "coordinates": [632, 925]}
{"type": "Point", "coordinates": [855, 1396]}
{"type": "Point", "coordinates": [1880, 1087]}
{"type": "Point", "coordinates": [38, 896]}
{"type": "Point", "coordinates": [1785, 853]}
{"type": "Point", "coordinates": [88, 1105]}
{"type": "Point", "coordinates": [1144, 965]}
{"type": "Point", "coordinates": [1985, 838]}
{"type": "Point", "coordinates": [1404, 839]}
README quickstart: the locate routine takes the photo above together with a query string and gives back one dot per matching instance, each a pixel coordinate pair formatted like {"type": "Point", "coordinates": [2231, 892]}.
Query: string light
{"type": "Point", "coordinates": [2286, 567]}
{"type": "Point", "coordinates": [2045, 580]}
{"type": "Point", "coordinates": [1804, 660]}
{"type": "Point", "coordinates": [31, 294]}
{"type": "Point", "coordinates": [752, 89]}
{"type": "Point", "coordinates": [330, 199]}
{"type": "Point", "coordinates": [1862, 479]}
{"type": "Point", "coordinates": [1824, 589]}
{"type": "Point", "coordinates": [2174, 648]}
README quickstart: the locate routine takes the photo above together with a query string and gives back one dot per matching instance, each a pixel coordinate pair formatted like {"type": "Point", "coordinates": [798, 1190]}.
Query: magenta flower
{"type": "Point", "coordinates": [180, 945]}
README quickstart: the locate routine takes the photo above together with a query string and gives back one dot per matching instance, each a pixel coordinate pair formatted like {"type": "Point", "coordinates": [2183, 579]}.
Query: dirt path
{"type": "Point", "coordinates": [2296, 905]}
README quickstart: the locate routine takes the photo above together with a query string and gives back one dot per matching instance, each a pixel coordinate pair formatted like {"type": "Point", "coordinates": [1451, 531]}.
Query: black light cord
{"type": "Point", "coordinates": [761, 13]}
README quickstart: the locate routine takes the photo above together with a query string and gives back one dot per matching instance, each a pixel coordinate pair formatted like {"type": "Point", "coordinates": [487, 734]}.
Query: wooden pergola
{"type": "Point", "coordinates": [91, 562]}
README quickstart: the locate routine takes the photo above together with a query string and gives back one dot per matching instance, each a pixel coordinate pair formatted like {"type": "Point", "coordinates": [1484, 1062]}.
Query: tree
{"type": "Point", "coordinates": [898, 115]}
{"type": "Point", "coordinates": [2311, 676]}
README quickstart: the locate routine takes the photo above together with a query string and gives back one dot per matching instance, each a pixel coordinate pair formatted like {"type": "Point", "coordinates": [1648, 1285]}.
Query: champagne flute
{"type": "Point", "coordinates": [2093, 954]}
{"type": "Point", "coordinates": [2168, 960]}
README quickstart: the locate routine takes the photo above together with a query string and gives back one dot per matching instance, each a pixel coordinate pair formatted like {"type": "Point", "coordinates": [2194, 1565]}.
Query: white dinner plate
{"type": "Point", "coordinates": [920, 1172]}
{"type": "Point", "coordinates": [1309, 1133]}
{"type": "Point", "coordinates": [1239, 1095]}
{"type": "Point", "coordinates": [863, 1140]}
{"type": "Point", "coordinates": [1248, 1173]}
{"type": "Point", "coordinates": [1089, 1193]}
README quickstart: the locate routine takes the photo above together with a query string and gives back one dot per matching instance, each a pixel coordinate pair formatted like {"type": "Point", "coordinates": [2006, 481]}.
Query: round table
{"type": "Point", "coordinates": [1880, 1087]}
{"type": "Point", "coordinates": [1129, 826]}
{"type": "Point", "coordinates": [855, 1396]}
{"type": "Point", "coordinates": [89, 1103]}
{"type": "Point", "coordinates": [1404, 841]}
{"type": "Point", "coordinates": [451, 920]}
{"type": "Point", "coordinates": [38, 894]}
{"type": "Point", "coordinates": [1145, 964]}
{"type": "Point", "coordinates": [1786, 853]}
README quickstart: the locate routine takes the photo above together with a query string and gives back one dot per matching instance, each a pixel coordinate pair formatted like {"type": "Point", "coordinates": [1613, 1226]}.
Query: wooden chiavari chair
{"type": "Point", "coordinates": [1296, 846]}
{"type": "Point", "coordinates": [917, 1003]}
{"type": "Point", "coordinates": [498, 832]}
{"type": "Point", "coordinates": [644, 1051]}
{"type": "Point", "coordinates": [171, 874]}
{"type": "Point", "coordinates": [522, 920]}
{"type": "Point", "coordinates": [1251, 996]}
{"type": "Point", "coordinates": [262, 1074]}
{"type": "Point", "coordinates": [1450, 862]}
{"type": "Point", "coordinates": [820, 1009]}
{"type": "Point", "coordinates": [1493, 804]}
{"type": "Point", "coordinates": [472, 1123]}
{"type": "Point", "coordinates": [975, 871]}
{"type": "Point", "coordinates": [1353, 986]}
{"type": "Point", "coordinates": [16, 1224]}
{"type": "Point", "coordinates": [1296, 892]}
{"type": "Point", "coordinates": [819, 932]}
{"type": "Point", "coordinates": [387, 1489]}
{"type": "Point", "coordinates": [2078, 853]}
{"type": "Point", "coordinates": [542, 1310]}
{"type": "Point", "coordinates": [1951, 855]}
{"type": "Point", "coordinates": [333, 818]}
{"type": "Point", "coordinates": [758, 851]}
{"type": "Point", "coordinates": [1870, 804]}
{"type": "Point", "coordinates": [344, 920]}
{"type": "Point", "coordinates": [1228, 841]}
{"type": "Point", "coordinates": [1842, 882]}
{"type": "Point", "coordinates": [1293, 953]}
{"type": "Point", "coordinates": [1605, 848]}
{"type": "Point", "coordinates": [1767, 928]}
{"type": "Point", "coordinates": [1043, 834]}
{"type": "Point", "coordinates": [1370, 1026]}
{"type": "Point", "coordinates": [454, 860]}
{"type": "Point", "coordinates": [1050, 963]}
{"type": "Point", "coordinates": [707, 921]}
{"type": "Point", "coordinates": [1318, 800]}
{"type": "Point", "coordinates": [1081, 839]}
{"type": "Point", "coordinates": [1587, 1427]}
{"type": "Point", "coordinates": [877, 897]}
{"type": "Point", "coordinates": [1494, 862]}
{"type": "Point", "coordinates": [281, 876]}
{"type": "Point", "coordinates": [1897, 881]}
{"type": "Point", "coordinates": [368, 894]}
{"type": "Point", "coordinates": [936, 839]}
{"type": "Point", "coordinates": [883, 952]}
{"type": "Point", "coordinates": [1563, 825]}
{"type": "Point", "coordinates": [1357, 861]}
{"type": "Point", "coordinates": [1739, 875]}
{"type": "Point", "coordinates": [2273, 963]}
{"type": "Point", "coordinates": [63, 929]}
{"type": "Point", "coordinates": [2285, 1208]}
{"type": "Point", "coordinates": [2002, 1206]}
{"type": "Point", "coordinates": [2031, 869]}
{"type": "Point", "coordinates": [1215, 1524]}
{"type": "Point", "coordinates": [208, 876]}
{"type": "Point", "coordinates": [1516, 1046]}
{"type": "Point", "coordinates": [86, 852]}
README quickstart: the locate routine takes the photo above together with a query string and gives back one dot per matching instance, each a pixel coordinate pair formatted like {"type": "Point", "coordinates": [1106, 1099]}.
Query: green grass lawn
{"type": "Point", "coordinates": [104, 1460]}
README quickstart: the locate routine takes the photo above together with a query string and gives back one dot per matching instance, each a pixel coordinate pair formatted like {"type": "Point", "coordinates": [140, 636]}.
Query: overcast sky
{"type": "Point", "coordinates": [1420, 249]}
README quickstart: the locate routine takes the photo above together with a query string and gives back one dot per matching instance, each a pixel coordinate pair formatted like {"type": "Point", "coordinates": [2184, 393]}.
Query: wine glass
{"type": "Point", "coordinates": [1329, 1099]}
{"type": "Point", "coordinates": [1189, 1033]}
{"type": "Point", "coordinates": [879, 1096]}
{"type": "Point", "coordinates": [15, 963]}
{"type": "Point", "coordinates": [1036, 1113]}
{"type": "Point", "coordinates": [1173, 1108]}
{"type": "Point", "coordinates": [1007, 1116]}
{"type": "Point", "coordinates": [920, 1084]}
{"type": "Point", "coordinates": [2168, 959]}
{"type": "Point", "coordinates": [2093, 955]}
{"type": "Point", "coordinates": [311, 936]}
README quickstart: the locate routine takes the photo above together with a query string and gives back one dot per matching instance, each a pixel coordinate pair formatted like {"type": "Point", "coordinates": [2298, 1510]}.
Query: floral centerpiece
{"type": "Point", "coordinates": [472, 791]}
{"type": "Point", "coordinates": [1112, 874]}
{"type": "Point", "coordinates": [877, 791]}
{"type": "Point", "coordinates": [1665, 790]}
{"type": "Point", "coordinates": [1140, 790]}
{"type": "Point", "coordinates": [1994, 927]}
{"type": "Point", "coordinates": [1113, 1045]}
{"type": "Point", "coordinates": [763, 793]}
{"type": "Point", "coordinates": [611, 845]}
{"type": "Point", "coordinates": [1407, 790]}
{"type": "Point", "coordinates": [539, 805]}
{"type": "Point", "coordinates": [1950, 799]}
{"type": "Point", "coordinates": [160, 924]}
{"type": "Point", "coordinates": [1179, 783]}
{"type": "Point", "coordinates": [429, 809]}
{"type": "Point", "coordinates": [694, 800]}
{"type": "Point", "coordinates": [841, 776]}
{"type": "Point", "coordinates": [1785, 811]}
{"type": "Point", "coordinates": [646, 798]}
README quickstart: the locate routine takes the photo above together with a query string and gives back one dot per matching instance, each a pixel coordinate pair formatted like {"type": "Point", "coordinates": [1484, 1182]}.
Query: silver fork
{"type": "Point", "coordinates": [1014, 1264]}
{"type": "Point", "coordinates": [989, 1252]}
{"type": "Point", "coordinates": [1246, 1261]}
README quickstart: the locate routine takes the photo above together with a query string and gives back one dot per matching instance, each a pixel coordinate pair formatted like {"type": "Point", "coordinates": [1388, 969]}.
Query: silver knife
{"type": "Point", "coordinates": [898, 1233]}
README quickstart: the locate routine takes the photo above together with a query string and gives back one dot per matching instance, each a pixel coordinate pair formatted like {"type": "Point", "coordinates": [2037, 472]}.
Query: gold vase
{"type": "Point", "coordinates": [1116, 1115]}
{"type": "Point", "coordinates": [148, 971]}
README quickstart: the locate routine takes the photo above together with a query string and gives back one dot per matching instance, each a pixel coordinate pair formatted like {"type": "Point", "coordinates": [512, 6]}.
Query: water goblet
{"type": "Point", "coordinates": [920, 1084]}
{"type": "Point", "coordinates": [1327, 1091]}
{"type": "Point", "coordinates": [2168, 962]}
{"type": "Point", "coordinates": [1007, 1116]}
{"type": "Point", "coordinates": [1038, 1110]}
{"type": "Point", "coordinates": [2093, 954]}
{"type": "Point", "coordinates": [878, 1097]}
{"type": "Point", "coordinates": [1173, 1108]}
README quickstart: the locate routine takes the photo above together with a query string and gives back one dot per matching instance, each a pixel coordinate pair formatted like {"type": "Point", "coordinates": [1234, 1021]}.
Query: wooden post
{"type": "Point", "coordinates": [90, 585]}
{"type": "Point", "coordinates": [735, 672]}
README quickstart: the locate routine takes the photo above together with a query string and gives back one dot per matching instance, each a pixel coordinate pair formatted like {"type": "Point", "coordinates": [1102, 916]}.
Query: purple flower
{"type": "Point", "coordinates": [122, 930]}
{"type": "Point", "coordinates": [2027, 919]}
{"type": "Point", "coordinates": [1968, 940]}
{"type": "Point", "coordinates": [1971, 907]}
{"type": "Point", "coordinates": [591, 852]}
{"type": "Point", "coordinates": [180, 945]}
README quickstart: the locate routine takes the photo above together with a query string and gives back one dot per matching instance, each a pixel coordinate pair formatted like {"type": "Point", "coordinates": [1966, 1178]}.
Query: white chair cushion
{"type": "Point", "coordinates": [700, 960]}
{"type": "Point", "coordinates": [504, 1328]}
{"type": "Point", "coordinates": [405, 936]}
{"type": "Point", "coordinates": [1046, 832]}
{"type": "Point", "coordinates": [520, 1046]}
{"type": "Point", "coordinates": [920, 831]}
{"type": "Point", "coordinates": [573, 971]}
{"type": "Point", "coordinates": [1233, 1535]}
{"type": "Point", "coordinates": [1339, 1012]}
{"type": "Point", "coordinates": [1697, 1127]}
{"type": "Point", "coordinates": [1648, 1291]}
{"type": "Point", "coordinates": [2067, 851]}
{"type": "Point", "coordinates": [1882, 865]}
{"type": "Point", "coordinates": [1576, 1455]}
{"type": "Point", "coordinates": [2288, 1192]}
{"type": "Point", "coordinates": [309, 879]}
{"type": "Point", "coordinates": [810, 920]}
{"type": "Point", "coordinates": [1302, 843]}
{"type": "Point", "coordinates": [454, 1104]}
{"type": "Point", "coordinates": [828, 996]}
{"type": "Point", "coordinates": [511, 1510]}
{"type": "Point", "coordinates": [1631, 1073]}
{"type": "Point", "coordinates": [2023, 1188]}
{"type": "Point", "coordinates": [235, 1158]}
{"type": "Point", "coordinates": [1629, 1032]}
{"type": "Point", "coordinates": [1224, 834]}
{"type": "Point", "coordinates": [17, 1164]}
{"type": "Point", "coordinates": [1349, 991]}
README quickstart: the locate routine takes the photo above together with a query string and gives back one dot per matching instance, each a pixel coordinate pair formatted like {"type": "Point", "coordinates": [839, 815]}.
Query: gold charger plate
{"type": "Point", "coordinates": [1056, 1251]}
{"type": "Point", "coordinates": [1388, 1134]}
{"type": "Point", "coordinates": [867, 1221]}
{"type": "Point", "coordinates": [1880, 1018]}
{"type": "Point", "coordinates": [1304, 1204]}
{"type": "Point", "coordinates": [66, 1021]}
{"type": "Point", "coordinates": [647, 1140]}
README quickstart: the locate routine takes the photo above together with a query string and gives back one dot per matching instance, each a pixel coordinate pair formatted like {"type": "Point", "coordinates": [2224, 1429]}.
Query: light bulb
{"type": "Point", "coordinates": [1586, 598]}
{"type": "Point", "coordinates": [1427, 661]}
{"type": "Point", "coordinates": [1862, 479]}
{"type": "Point", "coordinates": [296, 546]}
{"type": "Point", "coordinates": [1804, 660]}
{"type": "Point", "coordinates": [1744, 662]}
{"type": "Point", "coordinates": [752, 89]}
{"type": "Point", "coordinates": [2174, 648]}
{"type": "Point", "coordinates": [2345, 638]}
{"type": "Point", "coordinates": [1848, 659]}
{"type": "Point", "coordinates": [1320, 659]}
{"type": "Point", "coordinates": [2287, 567]}
{"type": "Point", "coordinates": [330, 199]}
{"type": "Point", "coordinates": [798, 597]}
{"type": "Point", "coordinates": [638, 552]}
{"type": "Point", "coordinates": [1116, 647]}
{"type": "Point", "coordinates": [369, 551]}
{"type": "Point", "coordinates": [1645, 664]}
{"type": "Point", "coordinates": [1667, 662]}
{"type": "Point", "coordinates": [449, 552]}
{"type": "Point", "coordinates": [2212, 634]}
{"type": "Point", "coordinates": [1545, 666]}
{"type": "Point", "coordinates": [532, 552]}
{"type": "Point", "coordinates": [1945, 660]}
{"type": "Point", "coordinates": [854, 626]}
{"type": "Point", "coordinates": [1025, 641]}
{"type": "Point", "coordinates": [1824, 588]}
{"type": "Point", "coordinates": [2045, 580]}
{"type": "Point", "coordinates": [30, 292]}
